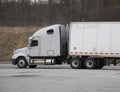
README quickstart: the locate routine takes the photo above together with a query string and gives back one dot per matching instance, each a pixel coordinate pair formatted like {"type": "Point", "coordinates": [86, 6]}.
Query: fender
{"type": "Point", "coordinates": [20, 53]}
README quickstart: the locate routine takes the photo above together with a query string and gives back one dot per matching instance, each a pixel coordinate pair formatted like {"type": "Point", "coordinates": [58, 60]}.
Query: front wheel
{"type": "Point", "coordinates": [76, 63]}
{"type": "Point", "coordinates": [22, 62]}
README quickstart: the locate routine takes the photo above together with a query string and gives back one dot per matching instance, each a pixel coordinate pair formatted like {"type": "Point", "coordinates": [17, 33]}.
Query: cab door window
{"type": "Point", "coordinates": [34, 43]}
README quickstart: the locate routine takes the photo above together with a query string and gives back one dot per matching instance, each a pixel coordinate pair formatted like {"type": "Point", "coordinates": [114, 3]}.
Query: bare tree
{"type": "Point", "coordinates": [43, 13]}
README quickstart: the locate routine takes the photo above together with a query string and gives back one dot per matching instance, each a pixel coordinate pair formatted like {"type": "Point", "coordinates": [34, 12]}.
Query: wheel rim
{"type": "Point", "coordinates": [89, 63]}
{"type": "Point", "coordinates": [75, 63]}
{"type": "Point", "coordinates": [21, 63]}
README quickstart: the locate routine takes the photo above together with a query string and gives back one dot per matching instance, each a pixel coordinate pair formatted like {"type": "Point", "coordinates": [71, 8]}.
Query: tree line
{"type": "Point", "coordinates": [43, 13]}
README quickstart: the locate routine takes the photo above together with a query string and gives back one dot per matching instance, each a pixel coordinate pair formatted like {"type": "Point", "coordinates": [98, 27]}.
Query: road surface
{"type": "Point", "coordinates": [59, 78]}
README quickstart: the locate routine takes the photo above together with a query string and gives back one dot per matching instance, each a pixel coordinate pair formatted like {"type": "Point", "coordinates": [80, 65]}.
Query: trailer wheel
{"type": "Point", "coordinates": [32, 66]}
{"type": "Point", "coordinates": [90, 64]}
{"type": "Point", "coordinates": [100, 64]}
{"type": "Point", "coordinates": [22, 62]}
{"type": "Point", "coordinates": [76, 63]}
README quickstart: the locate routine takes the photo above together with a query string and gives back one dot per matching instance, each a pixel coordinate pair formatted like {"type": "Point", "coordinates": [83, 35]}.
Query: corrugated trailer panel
{"type": "Point", "coordinates": [89, 37]}
{"type": "Point", "coordinates": [103, 38]}
{"type": "Point", "coordinates": [115, 38]}
{"type": "Point", "coordinates": [95, 39]}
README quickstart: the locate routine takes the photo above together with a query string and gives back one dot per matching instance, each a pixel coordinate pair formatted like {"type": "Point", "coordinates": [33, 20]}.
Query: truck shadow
{"type": "Point", "coordinates": [68, 67]}
{"type": "Point", "coordinates": [52, 67]}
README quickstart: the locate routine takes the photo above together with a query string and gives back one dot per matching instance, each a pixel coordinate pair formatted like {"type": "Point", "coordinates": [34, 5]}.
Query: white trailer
{"type": "Point", "coordinates": [92, 42]}
{"type": "Point", "coordinates": [82, 45]}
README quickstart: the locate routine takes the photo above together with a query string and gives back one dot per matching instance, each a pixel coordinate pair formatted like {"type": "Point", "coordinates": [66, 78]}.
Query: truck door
{"type": "Point", "coordinates": [34, 47]}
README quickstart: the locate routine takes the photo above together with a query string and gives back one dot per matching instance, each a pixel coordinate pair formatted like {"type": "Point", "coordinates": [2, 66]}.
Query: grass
{"type": "Point", "coordinates": [13, 37]}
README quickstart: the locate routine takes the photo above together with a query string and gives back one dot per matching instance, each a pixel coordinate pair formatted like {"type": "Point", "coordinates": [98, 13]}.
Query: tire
{"type": "Point", "coordinates": [76, 63]}
{"type": "Point", "coordinates": [100, 64]}
{"type": "Point", "coordinates": [32, 66]}
{"type": "Point", "coordinates": [90, 64]}
{"type": "Point", "coordinates": [22, 62]}
{"type": "Point", "coordinates": [83, 67]}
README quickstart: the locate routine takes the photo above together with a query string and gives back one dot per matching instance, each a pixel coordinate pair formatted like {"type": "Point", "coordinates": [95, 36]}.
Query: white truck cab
{"type": "Point", "coordinates": [48, 45]}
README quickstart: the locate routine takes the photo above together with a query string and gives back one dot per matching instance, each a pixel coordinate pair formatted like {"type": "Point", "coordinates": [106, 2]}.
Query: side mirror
{"type": "Point", "coordinates": [29, 42]}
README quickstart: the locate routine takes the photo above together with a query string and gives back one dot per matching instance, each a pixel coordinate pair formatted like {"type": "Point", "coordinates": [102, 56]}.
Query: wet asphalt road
{"type": "Point", "coordinates": [59, 78]}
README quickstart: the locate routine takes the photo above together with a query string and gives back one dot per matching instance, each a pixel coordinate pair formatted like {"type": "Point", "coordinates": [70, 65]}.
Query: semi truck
{"type": "Point", "coordinates": [87, 45]}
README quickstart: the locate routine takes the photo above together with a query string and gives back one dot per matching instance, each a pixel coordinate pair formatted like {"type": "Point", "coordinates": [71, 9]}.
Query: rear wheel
{"type": "Point", "coordinates": [76, 63]}
{"type": "Point", "coordinates": [22, 62]}
{"type": "Point", "coordinates": [90, 64]}
{"type": "Point", "coordinates": [100, 63]}
{"type": "Point", "coordinates": [32, 66]}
